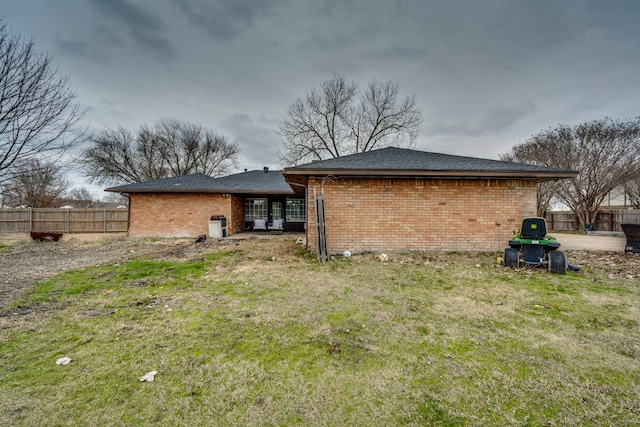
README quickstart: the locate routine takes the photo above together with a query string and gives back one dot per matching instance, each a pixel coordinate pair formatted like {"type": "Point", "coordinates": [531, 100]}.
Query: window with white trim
{"type": "Point", "coordinates": [276, 210]}
{"type": "Point", "coordinates": [295, 210]}
{"type": "Point", "coordinates": [255, 208]}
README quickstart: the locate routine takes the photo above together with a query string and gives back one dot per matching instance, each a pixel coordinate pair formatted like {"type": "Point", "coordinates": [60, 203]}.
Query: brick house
{"type": "Point", "coordinates": [385, 200]}
{"type": "Point", "coordinates": [396, 199]}
{"type": "Point", "coordinates": [182, 206]}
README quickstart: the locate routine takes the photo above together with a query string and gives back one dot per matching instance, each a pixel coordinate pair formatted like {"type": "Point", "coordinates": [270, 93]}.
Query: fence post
{"type": "Point", "coordinates": [30, 219]}
{"type": "Point", "coordinates": [67, 220]}
{"type": "Point", "coordinates": [104, 228]}
{"type": "Point", "coordinates": [610, 221]}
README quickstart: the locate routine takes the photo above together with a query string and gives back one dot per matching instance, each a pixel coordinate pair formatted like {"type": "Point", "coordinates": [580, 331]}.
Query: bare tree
{"type": "Point", "coordinates": [37, 115]}
{"type": "Point", "coordinates": [170, 148]}
{"type": "Point", "coordinates": [547, 190]}
{"type": "Point", "coordinates": [81, 193]}
{"type": "Point", "coordinates": [337, 120]}
{"type": "Point", "coordinates": [116, 198]}
{"type": "Point", "coordinates": [35, 184]}
{"type": "Point", "coordinates": [632, 192]}
{"type": "Point", "coordinates": [606, 154]}
{"type": "Point", "coordinates": [80, 197]}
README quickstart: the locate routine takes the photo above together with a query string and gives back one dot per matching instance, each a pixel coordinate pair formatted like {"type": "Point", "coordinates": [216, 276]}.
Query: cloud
{"type": "Point", "coordinates": [81, 48]}
{"type": "Point", "coordinates": [128, 23]}
{"type": "Point", "coordinates": [257, 139]}
{"type": "Point", "coordinates": [486, 74]}
{"type": "Point", "coordinates": [398, 53]}
{"type": "Point", "coordinates": [223, 19]}
{"type": "Point", "coordinates": [93, 47]}
{"type": "Point", "coordinates": [494, 122]}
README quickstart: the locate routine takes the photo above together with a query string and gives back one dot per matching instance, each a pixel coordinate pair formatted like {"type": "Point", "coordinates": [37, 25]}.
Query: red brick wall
{"type": "Point", "coordinates": [236, 221]}
{"type": "Point", "coordinates": [420, 214]}
{"type": "Point", "coordinates": [176, 214]}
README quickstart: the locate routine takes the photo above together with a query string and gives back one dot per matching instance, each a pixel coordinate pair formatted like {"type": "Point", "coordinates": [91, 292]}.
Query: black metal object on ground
{"type": "Point", "coordinates": [45, 236]}
{"type": "Point", "coordinates": [632, 234]}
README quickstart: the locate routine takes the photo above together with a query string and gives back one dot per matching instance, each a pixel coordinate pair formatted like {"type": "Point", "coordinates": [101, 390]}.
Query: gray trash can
{"type": "Point", "coordinates": [215, 227]}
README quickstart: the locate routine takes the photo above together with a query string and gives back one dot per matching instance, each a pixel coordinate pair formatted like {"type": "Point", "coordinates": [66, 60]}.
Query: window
{"type": "Point", "coordinates": [255, 208]}
{"type": "Point", "coordinates": [295, 210]}
{"type": "Point", "coordinates": [276, 210]}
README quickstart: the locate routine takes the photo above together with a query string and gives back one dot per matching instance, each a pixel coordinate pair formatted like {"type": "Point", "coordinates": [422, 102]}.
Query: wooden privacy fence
{"type": "Point", "coordinates": [63, 220]}
{"type": "Point", "coordinates": [609, 220]}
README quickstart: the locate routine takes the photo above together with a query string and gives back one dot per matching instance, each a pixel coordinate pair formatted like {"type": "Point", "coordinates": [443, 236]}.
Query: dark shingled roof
{"type": "Point", "coordinates": [257, 181]}
{"type": "Point", "coordinates": [399, 161]}
{"type": "Point", "coordinates": [252, 182]}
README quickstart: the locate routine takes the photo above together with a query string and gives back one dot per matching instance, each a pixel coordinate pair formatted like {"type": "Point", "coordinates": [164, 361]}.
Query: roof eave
{"type": "Point", "coordinates": [382, 173]}
{"type": "Point", "coordinates": [208, 191]}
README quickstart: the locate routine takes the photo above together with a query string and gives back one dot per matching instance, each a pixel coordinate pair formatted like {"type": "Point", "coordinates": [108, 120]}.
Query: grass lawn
{"type": "Point", "coordinates": [262, 334]}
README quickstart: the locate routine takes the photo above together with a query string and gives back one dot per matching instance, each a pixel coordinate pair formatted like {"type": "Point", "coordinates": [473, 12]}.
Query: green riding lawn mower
{"type": "Point", "coordinates": [532, 247]}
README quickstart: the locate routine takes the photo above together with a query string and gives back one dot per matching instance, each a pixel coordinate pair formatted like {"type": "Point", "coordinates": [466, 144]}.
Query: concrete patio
{"type": "Point", "coordinates": [590, 242]}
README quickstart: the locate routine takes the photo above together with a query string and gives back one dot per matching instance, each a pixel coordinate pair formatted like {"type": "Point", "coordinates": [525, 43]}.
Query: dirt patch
{"type": "Point", "coordinates": [615, 264]}
{"type": "Point", "coordinates": [27, 262]}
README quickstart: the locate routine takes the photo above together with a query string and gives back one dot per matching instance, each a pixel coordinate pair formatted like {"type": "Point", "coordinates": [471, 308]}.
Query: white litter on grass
{"type": "Point", "coordinates": [384, 257]}
{"type": "Point", "coordinates": [346, 254]}
{"type": "Point", "coordinates": [149, 376]}
{"type": "Point", "coordinates": [301, 241]}
{"type": "Point", "coordinates": [63, 361]}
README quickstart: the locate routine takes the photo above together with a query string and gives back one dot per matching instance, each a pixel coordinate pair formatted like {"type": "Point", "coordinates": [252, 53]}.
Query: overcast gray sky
{"type": "Point", "coordinates": [487, 74]}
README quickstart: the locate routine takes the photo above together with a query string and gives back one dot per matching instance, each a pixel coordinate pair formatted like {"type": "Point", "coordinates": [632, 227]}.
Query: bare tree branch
{"type": "Point", "coordinates": [632, 190]}
{"type": "Point", "coordinates": [170, 148]}
{"type": "Point", "coordinates": [328, 122]}
{"type": "Point", "coordinates": [606, 153]}
{"type": "Point", "coordinates": [37, 113]}
{"type": "Point", "coordinates": [35, 184]}
{"type": "Point", "coordinates": [80, 197]}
